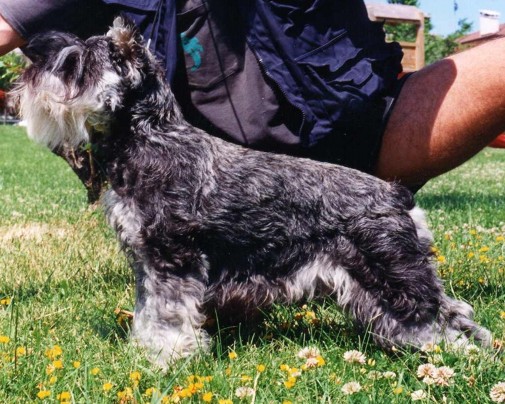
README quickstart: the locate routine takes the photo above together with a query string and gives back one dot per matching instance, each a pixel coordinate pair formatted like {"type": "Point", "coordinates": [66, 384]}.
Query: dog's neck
{"type": "Point", "coordinates": [152, 105]}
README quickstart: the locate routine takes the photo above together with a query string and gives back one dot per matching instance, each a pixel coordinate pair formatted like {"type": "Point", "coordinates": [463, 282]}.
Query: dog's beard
{"type": "Point", "coordinates": [59, 113]}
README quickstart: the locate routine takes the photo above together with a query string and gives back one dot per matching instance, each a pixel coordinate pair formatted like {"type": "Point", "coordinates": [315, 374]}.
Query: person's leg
{"type": "Point", "coordinates": [445, 114]}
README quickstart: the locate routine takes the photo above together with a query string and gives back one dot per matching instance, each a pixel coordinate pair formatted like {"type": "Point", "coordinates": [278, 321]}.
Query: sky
{"type": "Point", "coordinates": [445, 19]}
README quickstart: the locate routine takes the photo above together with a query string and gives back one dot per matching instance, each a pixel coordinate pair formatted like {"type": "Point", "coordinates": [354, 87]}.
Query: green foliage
{"type": "Point", "coordinates": [436, 46]}
{"type": "Point", "coordinates": [11, 66]}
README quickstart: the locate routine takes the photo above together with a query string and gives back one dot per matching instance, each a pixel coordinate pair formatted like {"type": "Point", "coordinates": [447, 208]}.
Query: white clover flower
{"type": "Point", "coordinates": [355, 357]}
{"type": "Point", "coordinates": [351, 388]}
{"type": "Point", "coordinates": [243, 392]}
{"type": "Point", "coordinates": [428, 380]}
{"type": "Point", "coordinates": [497, 393]}
{"type": "Point", "coordinates": [308, 352]}
{"type": "Point", "coordinates": [389, 375]}
{"type": "Point", "coordinates": [374, 375]}
{"type": "Point", "coordinates": [472, 349]}
{"type": "Point", "coordinates": [418, 395]}
{"type": "Point", "coordinates": [426, 370]}
{"type": "Point", "coordinates": [443, 375]}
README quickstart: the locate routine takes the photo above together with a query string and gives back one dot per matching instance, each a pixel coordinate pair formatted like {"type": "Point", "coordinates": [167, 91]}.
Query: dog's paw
{"type": "Point", "coordinates": [454, 327]}
{"type": "Point", "coordinates": [165, 347]}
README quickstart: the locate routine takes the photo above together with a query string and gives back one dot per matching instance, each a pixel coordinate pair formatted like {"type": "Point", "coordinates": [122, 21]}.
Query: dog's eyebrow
{"type": "Point", "coordinates": [65, 53]}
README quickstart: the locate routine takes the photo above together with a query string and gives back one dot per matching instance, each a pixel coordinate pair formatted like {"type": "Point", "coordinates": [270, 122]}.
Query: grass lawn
{"type": "Point", "coordinates": [62, 276]}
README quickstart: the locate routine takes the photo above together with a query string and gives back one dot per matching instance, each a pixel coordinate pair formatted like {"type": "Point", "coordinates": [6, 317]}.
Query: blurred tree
{"type": "Point", "coordinates": [11, 66]}
{"type": "Point", "coordinates": [436, 46]}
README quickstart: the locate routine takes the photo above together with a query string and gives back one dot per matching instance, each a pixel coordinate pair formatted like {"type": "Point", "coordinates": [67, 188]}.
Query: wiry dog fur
{"type": "Point", "coordinates": [214, 226]}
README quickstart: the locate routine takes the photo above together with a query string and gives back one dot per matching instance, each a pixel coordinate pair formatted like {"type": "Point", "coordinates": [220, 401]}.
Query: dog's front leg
{"type": "Point", "coordinates": [168, 317]}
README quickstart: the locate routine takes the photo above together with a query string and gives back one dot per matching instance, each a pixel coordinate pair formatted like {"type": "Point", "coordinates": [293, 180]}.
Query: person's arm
{"type": "Point", "coordinates": [9, 38]}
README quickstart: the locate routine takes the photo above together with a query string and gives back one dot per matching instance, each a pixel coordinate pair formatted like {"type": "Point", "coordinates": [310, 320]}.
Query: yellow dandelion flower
{"type": "Point", "coordinates": [58, 364]}
{"type": "Point", "coordinates": [232, 355]}
{"type": "Point", "coordinates": [135, 377]}
{"type": "Point", "coordinates": [500, 238]}
{"type": "Point", "coordinates": [441, 259]}
{"type": "Point", "coordinates": [398, 390]}
{"type": "Point", "coordinates": [310, 315]}
{"type": "Point", "coordinates": [502, 315]}
{"type": "Point", "coordinates": [185, 393]}
{"type": "Point", "coordinates": [207, 397]}
{"type": "Point", "coordinates": [225, 401]}
{"type": "Point", "coordinates": [53, 380]}
{"type": "Point", "coordinates": [126, 394]}
{"type": "Point", "coordinates": [20, 351]}
{"type": "Point", "coordinates": [245, 378]}
{"type": "Point", "coordinates": [151, 391]}
{"type": "Point", "coordinates": [287, 402]}
{"type": "Point", "coordinates": [54, 352]}
{"type": "Point", "coordinates": [290, 382]}
{"type": "Point", "coordinates": [4, 339]}
{"type": "Point", "coordinates": [260, 368]}
{"type": "Point", "coordinates": [94, 371]}
{"type": "Point", "coordinates": [43, 394]}
{"type": "Point", "coordinates": [107, 386]}
{"type": "Point", "coordinates": [76, 364]}
{"type": "Point", "coordinates": [227, 371]}
{"type": "Point", "coordinates": [64, 396]}
{"type": "Point", "coordinates": [5, 301]}
{"type": "Point", "coordinates": [284, 368]}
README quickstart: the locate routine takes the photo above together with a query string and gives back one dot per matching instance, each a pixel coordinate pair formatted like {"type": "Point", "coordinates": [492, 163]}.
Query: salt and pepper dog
{"type": "Point", "coordinates": [212, 226]}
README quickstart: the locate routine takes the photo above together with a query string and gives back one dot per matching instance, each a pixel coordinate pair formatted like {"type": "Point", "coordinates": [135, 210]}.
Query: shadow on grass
{"type": "Point", "coordinates": [295, 323]}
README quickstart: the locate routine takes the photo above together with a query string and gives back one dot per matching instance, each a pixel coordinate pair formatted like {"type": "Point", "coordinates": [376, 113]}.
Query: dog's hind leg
{"type": "Point", "coordinates": [400, 296]}
{"type": "Point", "coordinates": [168, 316]}
{"type": "Point", "coordinates": [386, 280]}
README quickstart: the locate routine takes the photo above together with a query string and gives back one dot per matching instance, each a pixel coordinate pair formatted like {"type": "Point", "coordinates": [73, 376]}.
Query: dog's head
{"type": "Point", "coordinates": [75, 86]}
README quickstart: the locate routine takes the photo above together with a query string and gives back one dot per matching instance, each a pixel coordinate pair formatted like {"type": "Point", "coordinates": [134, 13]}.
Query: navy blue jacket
{"type": "Point", "coordinates": [325, 56]}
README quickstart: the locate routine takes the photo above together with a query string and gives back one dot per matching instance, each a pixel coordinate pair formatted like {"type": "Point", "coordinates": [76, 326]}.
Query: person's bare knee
{"type": "Point", "coordinates": [445, 114]}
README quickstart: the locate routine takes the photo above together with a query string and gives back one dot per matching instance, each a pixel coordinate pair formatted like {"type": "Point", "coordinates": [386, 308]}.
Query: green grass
{"type": "Point", "coordinates": [62, 276]}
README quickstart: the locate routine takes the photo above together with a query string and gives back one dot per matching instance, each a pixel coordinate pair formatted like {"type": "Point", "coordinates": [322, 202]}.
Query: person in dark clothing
{"type": "Point", "coordinates": [314, 79]}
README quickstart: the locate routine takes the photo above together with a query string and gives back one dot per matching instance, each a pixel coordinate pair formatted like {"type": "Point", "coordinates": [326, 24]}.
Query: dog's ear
{"type": "Point", "coordinates": [126, 37]}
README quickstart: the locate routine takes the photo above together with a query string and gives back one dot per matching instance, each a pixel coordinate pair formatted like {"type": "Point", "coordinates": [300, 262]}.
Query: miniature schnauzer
{"type": "Point", "coordinates": [214, 227]}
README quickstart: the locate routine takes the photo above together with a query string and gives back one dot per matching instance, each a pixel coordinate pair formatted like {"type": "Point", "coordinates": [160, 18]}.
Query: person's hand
{"type": "Point", "coordinates": [9, 38]}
